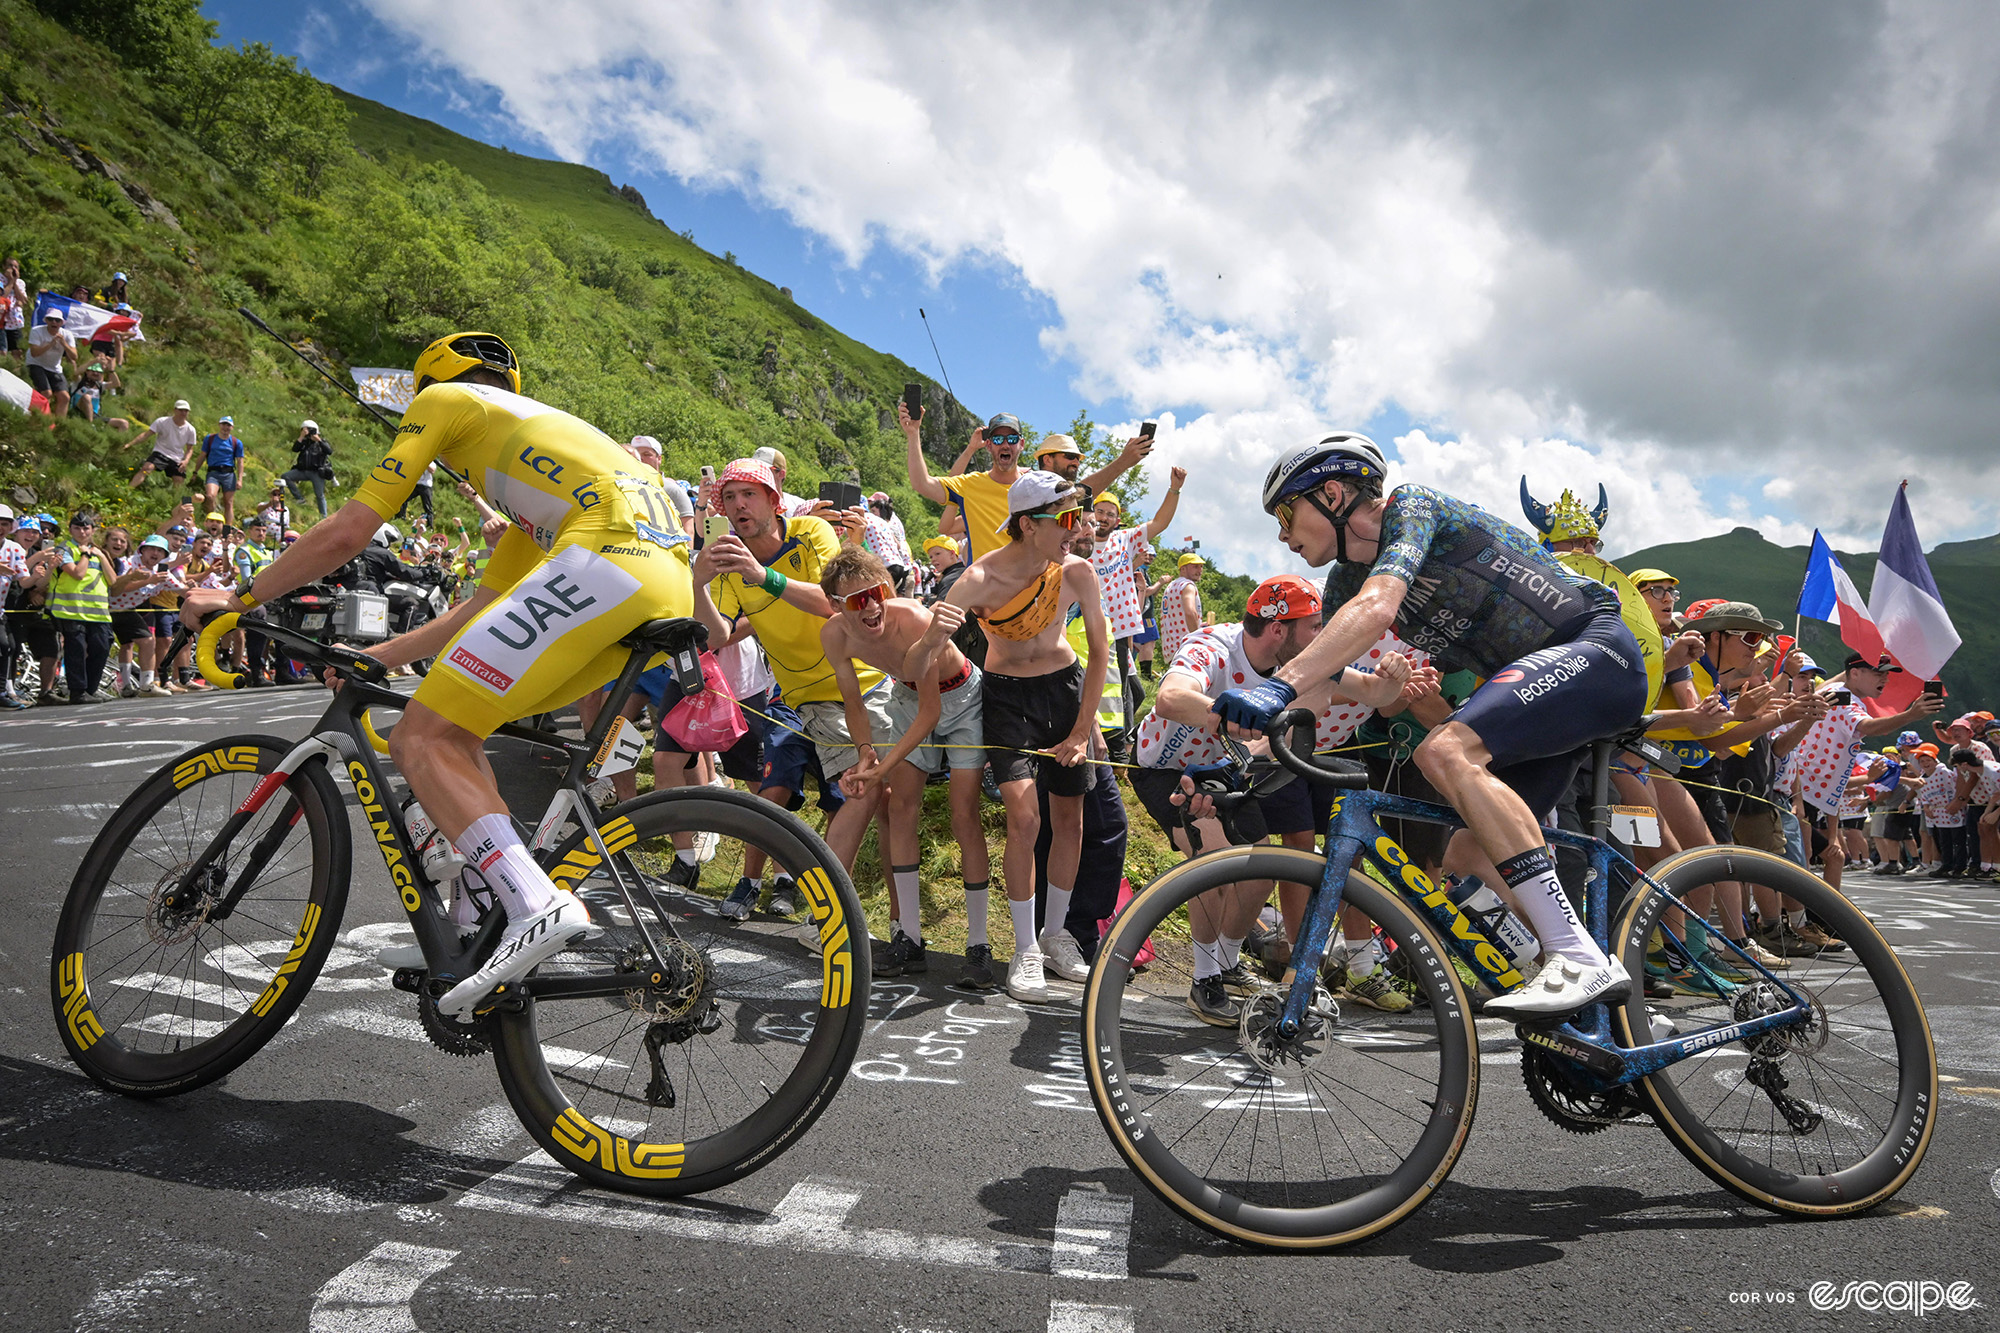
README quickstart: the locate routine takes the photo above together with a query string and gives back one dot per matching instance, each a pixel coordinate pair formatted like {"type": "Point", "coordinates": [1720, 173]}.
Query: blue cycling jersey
{"type": "Point", "coordinates": [1482, 592]}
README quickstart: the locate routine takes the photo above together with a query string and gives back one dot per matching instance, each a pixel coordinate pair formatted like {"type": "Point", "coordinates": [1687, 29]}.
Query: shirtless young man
{"type": "Point", "coordinates": [938, 721]}
{"type": "Point", "coordinates": [1037, 697]}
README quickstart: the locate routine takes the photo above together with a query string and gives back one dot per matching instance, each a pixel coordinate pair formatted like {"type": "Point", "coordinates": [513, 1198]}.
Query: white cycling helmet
{"type": "Point", "coordinates": [1346, 455]}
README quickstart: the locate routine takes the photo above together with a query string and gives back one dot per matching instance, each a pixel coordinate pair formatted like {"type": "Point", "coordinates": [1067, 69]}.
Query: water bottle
{"type": "Point", "coordinates": [1494, 919]}
{"type": "Point", "coordinates": [441, 861]}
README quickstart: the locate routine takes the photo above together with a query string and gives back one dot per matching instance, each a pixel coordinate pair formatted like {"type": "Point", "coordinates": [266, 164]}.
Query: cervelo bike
{"type": "Point", "coordinates": [1808, 1089]}
{"type": "Point", "coordinates": [671, 1054]}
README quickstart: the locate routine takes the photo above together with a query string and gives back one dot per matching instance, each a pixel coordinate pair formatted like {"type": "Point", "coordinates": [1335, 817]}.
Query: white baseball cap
{"type": "Point", "coordinates": [6, 513]}
{"type": "Point", "coordinates": [308, 424]}
{"type": "Point", "coordinates": [1035, 490]}
{"type": "Point", "coordinates": [181, 405]}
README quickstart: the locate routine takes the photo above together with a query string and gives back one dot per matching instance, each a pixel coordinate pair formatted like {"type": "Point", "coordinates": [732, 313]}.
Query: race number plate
{"type": "Point", "coordinates": [620, 751]}
{"type": "Point", "coordinates": [1635, 825]}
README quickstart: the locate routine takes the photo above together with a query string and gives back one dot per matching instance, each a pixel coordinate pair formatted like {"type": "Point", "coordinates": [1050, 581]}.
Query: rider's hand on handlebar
{"type": "Point", "coordinates": [197, 606]}
{"type": "Point", "coordinates": [1247, 712]}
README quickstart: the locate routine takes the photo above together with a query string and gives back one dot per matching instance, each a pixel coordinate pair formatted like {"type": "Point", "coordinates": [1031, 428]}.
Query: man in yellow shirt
{"type": "Point", "coordinates": [981, 497]}
{"type": "Point", "coordinates": [768, 568]}
{"type": "Point", "coordinates": [593, 553]}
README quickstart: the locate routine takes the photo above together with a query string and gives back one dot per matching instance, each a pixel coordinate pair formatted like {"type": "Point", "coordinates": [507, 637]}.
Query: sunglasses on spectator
{"type": "Point", "coordinates": [1003, 439]}
{"type": "Point", "coordinates": [1068, 517]}
{"type": "Point", "coordinates": [1752, 638]}
{"type": "Point", "coordinates": [860, 601]}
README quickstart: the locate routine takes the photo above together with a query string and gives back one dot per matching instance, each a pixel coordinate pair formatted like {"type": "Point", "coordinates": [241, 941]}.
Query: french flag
{"type": "Point", "coordinates": [1905, 606]}
{"type": "Point", "coordinates": [1830, 595]}
{"type": "Point", "coordinates": [84, 321]}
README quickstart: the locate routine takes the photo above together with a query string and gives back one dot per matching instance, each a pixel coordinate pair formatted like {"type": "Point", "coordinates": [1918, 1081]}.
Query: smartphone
{"type": "Point", "coordinates": [1841, 698]}
{"type": "Point", "coordinates": [707, 472]}
{"type": "Point", "coordinates": [1934, 689]}
{"type": "Point", "coordinates": [913, 400]}
{"type": "Point", "coordinates": [840, 494]}
{"type": "Point", "coordinates": [1146, 429]}
{"type": "Point", "coordinates": [715, 525]}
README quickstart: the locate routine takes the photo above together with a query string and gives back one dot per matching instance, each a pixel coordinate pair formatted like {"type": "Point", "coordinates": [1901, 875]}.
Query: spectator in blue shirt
{"type": "Point", "coordinates": [222, 453]}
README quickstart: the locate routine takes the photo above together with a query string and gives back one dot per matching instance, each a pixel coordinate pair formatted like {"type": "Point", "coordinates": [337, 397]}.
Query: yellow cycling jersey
{"type": "Point", "coordinates": [541, 467]}
{"type": "Point", "coordinates": [788, 634]}
{"type": "Point", "coordinates": [984, 504]}
{"type": "Point", "coordinates": [1691, 742]}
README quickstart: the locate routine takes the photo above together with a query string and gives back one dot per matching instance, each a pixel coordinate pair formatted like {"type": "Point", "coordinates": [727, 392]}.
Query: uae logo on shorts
{"type": "Point", "coordinates": [480, 669]}
{"type": "Point", "coordinates": [1509, 676]}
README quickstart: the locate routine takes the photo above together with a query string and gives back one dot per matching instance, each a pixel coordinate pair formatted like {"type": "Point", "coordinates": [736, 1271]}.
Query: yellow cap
{"type": "Point", "coordinates": [1108, 500]}
{"type": "Point", "coordinates": [1641, 577]}
{"type": "Point", "coordinates": [1189, 558]}
{"type": "Point", "coordinates": [939, 544]}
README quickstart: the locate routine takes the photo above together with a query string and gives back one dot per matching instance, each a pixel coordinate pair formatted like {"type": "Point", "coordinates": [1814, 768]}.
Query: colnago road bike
{"type": "Point", "coordinates": [670, 1054]}
{"type": "Point", "coordinates": [1809, 1089]}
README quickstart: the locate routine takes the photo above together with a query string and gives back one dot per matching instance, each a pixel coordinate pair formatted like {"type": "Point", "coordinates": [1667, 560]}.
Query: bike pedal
{"type": "Point", "coordinates": [409, 979]}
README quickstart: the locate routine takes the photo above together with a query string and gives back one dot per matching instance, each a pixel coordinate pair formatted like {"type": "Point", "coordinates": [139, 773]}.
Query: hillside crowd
{"type": "Point", "coordinates": [1007, 657]}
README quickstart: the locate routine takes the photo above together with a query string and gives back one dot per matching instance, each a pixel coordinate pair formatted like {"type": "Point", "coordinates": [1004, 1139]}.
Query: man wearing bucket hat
{"type": "Point", "coordinates": [1059, 454]}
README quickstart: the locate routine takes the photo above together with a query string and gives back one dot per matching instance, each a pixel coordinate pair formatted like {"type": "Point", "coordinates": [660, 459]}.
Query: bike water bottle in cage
{"type": "Point", "coordinates": [441, 860]}
{"type": "Point", "coordinates": [1494, 919]}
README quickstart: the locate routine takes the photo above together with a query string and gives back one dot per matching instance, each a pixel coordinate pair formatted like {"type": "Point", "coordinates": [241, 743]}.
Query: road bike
{"type": "Point", "coordinates": [1809, 1089]}
{"type": "Point", "coordinates": [672, 1053]}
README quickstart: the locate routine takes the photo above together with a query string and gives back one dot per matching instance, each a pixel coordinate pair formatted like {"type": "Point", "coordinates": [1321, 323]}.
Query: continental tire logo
{"type": "Point", "coordinates": [84, 1029]}
{"type": "Point", "coordinates": [837, 961]}
{"type": "Point", "coordinates": [597, 1146]}
{"type": "Point", "coordinates": [235, 759]}
{"type": "Point", "coordinates": [297, 953]}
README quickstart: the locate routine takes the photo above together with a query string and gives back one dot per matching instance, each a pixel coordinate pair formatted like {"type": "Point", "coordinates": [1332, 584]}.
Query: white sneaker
{"type": "Point", "coordinates": [1564, 987]}
{"type": "Point", "coordinates": [562, 924]}
{"type": "Point", "coordinates": [705, 844]}
{"type": "Point", "coordinates": [1062, 953]}
{"type": "Point", "coordinates": [1024, 978]}
{"type": "Point", "coordinates": [157, 691]}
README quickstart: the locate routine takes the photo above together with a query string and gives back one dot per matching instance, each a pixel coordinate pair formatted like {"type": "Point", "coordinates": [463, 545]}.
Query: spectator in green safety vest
{"type": "Point", "coordinates": [80, 606]}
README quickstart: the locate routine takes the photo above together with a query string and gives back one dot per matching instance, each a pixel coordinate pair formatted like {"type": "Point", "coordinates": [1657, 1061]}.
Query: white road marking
{"type": "Point", "coordinates": [811, 1217]}
{"type": "Point", "coordinates": [1093, 1232]}
{"type": "Point", "coordinates": [121, 1306]}
{"type": "Point", "coordinates": [374, 1294]}
{"type": "Point", "coordinates": [1076, 1317]}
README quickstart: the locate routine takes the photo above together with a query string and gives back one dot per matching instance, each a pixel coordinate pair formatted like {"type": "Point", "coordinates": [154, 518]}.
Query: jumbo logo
{"type": "Point", "coordinates": [236, 759]}
{"type": "Point", "coordinates": [300, 944]}
{"type": "Point", "coordinates": [1490, 959]}
{"type": "Point", "coordinates": [385, 837]}
{"type": "Point", "coordinates": [84, 1029]}
{"type": "Point", "coordinates": [543, 464]}
{"type": "Point", "coordinates": [837, 984]}
{"type": "Point", "coordinates": [598, 1146]}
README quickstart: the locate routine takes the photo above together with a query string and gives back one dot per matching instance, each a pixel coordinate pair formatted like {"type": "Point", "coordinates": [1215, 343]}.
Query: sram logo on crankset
{"type": "Point", "coordinates": [1439, 902]}
{"type": "Point", "coordinates": [300, 944]}
{"type": "Point", "coordinates": [837, 961]}
{"type": "Point", "coordinates": [385, 838]}
{"type": "Point", "coordinates": [235, 759]}
{"type": "Point", "coordinates": [84, 1029]}
{"type": "Point", "coordinates": [598, 1146]}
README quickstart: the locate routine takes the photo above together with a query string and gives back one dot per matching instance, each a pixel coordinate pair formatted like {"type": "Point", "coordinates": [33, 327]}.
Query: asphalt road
{"type": "Point", "coordinates": [352, 1178]}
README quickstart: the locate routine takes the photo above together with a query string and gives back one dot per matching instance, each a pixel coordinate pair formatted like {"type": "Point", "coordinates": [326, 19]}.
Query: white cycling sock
{"type": "Point", "coordinates": [1207, 960]}
{"type": "Point", "coordinates": [909, 902]}
{"type": "Point", "coordinates": [1797, 918]}
{"type": "Point", "coordinates": [1023, 912]}
{"type": "Point", "coordinates": [1056, 910]}
{"type": "Point", "coordinates": [1532, 877]}
{"type": "Point", "coordinates": [1363, 955]}
{"type": "Point", "coordinates": [145, 679]}
{"type": "Point", "coordinates": [975, 913]}
{"type": "Point", "coordinates": [687, 855]}
{"type": "Point", "coordinates": [494, 847]}
{"type": "Point", "coordinates": [1230, 951]}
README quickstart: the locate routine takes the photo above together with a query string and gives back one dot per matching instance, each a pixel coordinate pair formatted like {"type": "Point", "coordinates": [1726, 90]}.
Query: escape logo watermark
{"type": "Point", "coordinates": [1917, 1296]}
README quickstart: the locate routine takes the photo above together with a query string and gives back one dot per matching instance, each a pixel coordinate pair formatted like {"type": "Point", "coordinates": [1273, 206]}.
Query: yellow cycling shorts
{"type": "Point", "coordinates": [552, 637]}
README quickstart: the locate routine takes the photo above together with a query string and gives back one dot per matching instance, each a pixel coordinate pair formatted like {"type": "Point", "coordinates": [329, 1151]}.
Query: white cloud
{"type": "Point", "coordinates": [1752, 256]}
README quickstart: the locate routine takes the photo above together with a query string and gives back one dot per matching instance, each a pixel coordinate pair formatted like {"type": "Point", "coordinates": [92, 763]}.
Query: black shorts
{"type": "Point", "coordinates": [11, 340]}
{"type": "Point", "coordinates": [1539, 715]}
{"type": "Point", "coordinates": [35, 632]}
{"type": "Point", "coordinates": [1027, 713]}
{"type": "Point", "coordinates": [1155, 787]}
{"type": "Point", "coordinates": [127, 626]}
{"type": "Point", "coordinates": [1903, 826]}
{"type": "Point", "coordinates": [47, 382]}
{"type": "Point", "coordinates": [171, 466]}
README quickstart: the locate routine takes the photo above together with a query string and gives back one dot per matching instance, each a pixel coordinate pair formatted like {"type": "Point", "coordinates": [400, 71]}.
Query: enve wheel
{"type": "Point", "coordinates": [156, 996]}
{"type": "Point", "coordinates": [1308, 1143]}
{"type": "Point", "coordinates": [1827, 1117]}
{"type": "Point", "coordinates": [683, 1082]}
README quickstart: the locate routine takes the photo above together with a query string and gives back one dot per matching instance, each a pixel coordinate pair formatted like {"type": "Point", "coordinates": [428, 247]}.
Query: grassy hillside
{"type": "Point", "coordinates": [1741, 565]}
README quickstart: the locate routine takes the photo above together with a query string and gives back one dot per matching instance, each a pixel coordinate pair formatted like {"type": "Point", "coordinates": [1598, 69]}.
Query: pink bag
{"type": "Point", "coordinates": [708, 722]}
{"type": "Point", "coordinates": [1145, 954]}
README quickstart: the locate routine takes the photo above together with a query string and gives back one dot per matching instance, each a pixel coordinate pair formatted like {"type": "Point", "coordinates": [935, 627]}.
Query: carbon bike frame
{"type": "Point", "coordinates": [342, 733]}
{"type": "Point", "coordinates": [1355, 837]}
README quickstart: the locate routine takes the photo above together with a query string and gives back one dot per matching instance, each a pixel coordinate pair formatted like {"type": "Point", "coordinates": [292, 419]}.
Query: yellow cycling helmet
{"type": "Point", "coordinates": [455, 353]}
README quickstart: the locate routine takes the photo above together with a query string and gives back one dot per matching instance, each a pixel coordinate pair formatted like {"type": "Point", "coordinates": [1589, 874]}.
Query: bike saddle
{"type": "Point", "coordinates": [670, 635]}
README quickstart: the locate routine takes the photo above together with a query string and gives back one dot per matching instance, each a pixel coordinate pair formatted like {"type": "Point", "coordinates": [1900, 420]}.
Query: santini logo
{"type": "Point", "coordinates": [1917, 1296]}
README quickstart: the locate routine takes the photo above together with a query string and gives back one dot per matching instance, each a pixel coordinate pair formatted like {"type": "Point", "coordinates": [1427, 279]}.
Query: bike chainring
{"type": "Point", "coordinates": [1561, 1092]}
{"type": "Point", "coordinates": [451, 1035]}
{"type": "Point", "coordinates": [1272, 1051]}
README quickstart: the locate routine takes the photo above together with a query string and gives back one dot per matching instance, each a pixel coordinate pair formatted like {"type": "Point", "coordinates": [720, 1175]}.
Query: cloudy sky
{"type": "Point", "coordinates": [1740, 264]}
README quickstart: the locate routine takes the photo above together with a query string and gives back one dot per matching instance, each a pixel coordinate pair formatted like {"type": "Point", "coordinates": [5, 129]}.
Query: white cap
{"type": "Point", "coordinates": [181, 405]}
{"type": "Point", "coordinates": [1035, 490]}
{"type": "Point", "coordinates": [769, 457]}
{"type": "Point", "coordinates": [54, 313]}
{"type": "Point", "coordinates": [5, 512]}
{"type": "Point", "coordinates": [645, 442]}
{"type": "Point", "coordinates": [308, 424]}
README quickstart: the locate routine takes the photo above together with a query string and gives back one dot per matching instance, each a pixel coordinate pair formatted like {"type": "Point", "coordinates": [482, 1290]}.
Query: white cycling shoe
{"type": "Point", "coordinates": [563, 924]}
{"type": "Point", "coordinates": [1563, 987]}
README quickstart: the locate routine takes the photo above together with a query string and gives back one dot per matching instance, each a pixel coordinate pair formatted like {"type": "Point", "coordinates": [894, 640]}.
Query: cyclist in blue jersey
{"type": "Point", "coordinates": [1476, 593]}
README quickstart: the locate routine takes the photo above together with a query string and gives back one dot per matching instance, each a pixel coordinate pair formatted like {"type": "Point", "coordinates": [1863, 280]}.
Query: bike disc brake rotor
{"type": "Point", "coordinates": [1805, 1037]}
{"type": "Point", "coordinates": [1271, 1050]}
{"type": "Point", "coordinates": [680, 996]}
{"type": "Point", "coordinates": [177, 925]}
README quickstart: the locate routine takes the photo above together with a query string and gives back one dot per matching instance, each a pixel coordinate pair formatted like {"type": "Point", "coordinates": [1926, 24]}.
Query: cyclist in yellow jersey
{"type": "Point", "coordinates": [593, 553]}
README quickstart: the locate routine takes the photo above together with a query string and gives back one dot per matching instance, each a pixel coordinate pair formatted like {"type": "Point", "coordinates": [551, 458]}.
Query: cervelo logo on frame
{"type": "Point", "coordinates": [1918, 1296]}
{"type": "Point", "coordinates": [574, 588]}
